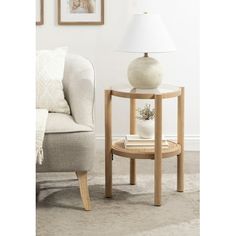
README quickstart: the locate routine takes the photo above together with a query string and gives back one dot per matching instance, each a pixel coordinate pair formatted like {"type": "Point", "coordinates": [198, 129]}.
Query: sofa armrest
{"type": "Point", "coordinates": [79, 89]}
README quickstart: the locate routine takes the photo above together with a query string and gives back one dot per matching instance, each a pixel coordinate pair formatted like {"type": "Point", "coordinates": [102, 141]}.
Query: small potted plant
{"type": "Point", "coordinates": [145, 124]}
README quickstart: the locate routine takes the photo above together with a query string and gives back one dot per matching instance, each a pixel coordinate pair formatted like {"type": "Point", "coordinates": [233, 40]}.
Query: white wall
{"type": "Point", "coordinates": [98, 43]}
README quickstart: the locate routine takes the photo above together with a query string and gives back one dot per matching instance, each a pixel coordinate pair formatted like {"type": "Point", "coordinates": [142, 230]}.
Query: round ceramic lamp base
{"type": "Point", "coordinates": [145, 73]}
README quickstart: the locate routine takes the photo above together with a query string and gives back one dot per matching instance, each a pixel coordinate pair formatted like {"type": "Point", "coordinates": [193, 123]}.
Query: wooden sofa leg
{"type": "Point", "coordinates": [83, 183]}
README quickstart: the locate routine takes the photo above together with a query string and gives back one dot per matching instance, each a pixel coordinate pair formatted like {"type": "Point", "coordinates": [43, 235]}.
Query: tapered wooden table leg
{"type": "Point", "coordinates": [132, 131]}
{"type": "Point", "coordinates": [108, 144]}
{"type": "Point", "coordinates": [180, 157]}
{"type": "Point", "coordinates": [158, 150]}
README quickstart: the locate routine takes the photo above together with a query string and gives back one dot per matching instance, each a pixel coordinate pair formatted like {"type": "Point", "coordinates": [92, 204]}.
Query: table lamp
{"type": "Point", "coordinates": [146, 33]}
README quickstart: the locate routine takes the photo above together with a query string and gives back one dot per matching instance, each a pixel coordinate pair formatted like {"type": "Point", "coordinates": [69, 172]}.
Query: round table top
{"type": "Point", "coordinates": [127, 91]}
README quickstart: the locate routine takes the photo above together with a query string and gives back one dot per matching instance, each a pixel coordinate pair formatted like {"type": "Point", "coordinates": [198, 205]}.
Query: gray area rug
{"type": "Point", "coordinates": [129, 212]}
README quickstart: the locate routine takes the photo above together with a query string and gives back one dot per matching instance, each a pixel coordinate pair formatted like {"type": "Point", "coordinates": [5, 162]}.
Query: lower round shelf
{"type": "Point", "coordinates": [118, 148]}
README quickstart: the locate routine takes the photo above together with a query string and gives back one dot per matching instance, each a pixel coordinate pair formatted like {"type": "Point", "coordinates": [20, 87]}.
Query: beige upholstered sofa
{"type": "Point", "coordinates": [69, 143]}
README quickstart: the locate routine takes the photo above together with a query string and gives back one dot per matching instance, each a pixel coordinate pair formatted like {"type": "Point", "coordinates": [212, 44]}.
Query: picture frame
{"type": "Point", "coordinates": [39, 12]}
{"type": "Point", "coordinates": [80, 12]}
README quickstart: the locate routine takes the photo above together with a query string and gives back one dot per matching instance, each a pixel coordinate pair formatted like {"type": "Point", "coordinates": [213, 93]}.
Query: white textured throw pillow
{"type": "Point", "coordinates": [49, 75]}
{"type": "Point", "coordinates": [50, 96]}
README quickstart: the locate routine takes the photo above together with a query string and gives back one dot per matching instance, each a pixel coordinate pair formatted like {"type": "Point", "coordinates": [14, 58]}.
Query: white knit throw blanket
{"type": "Point", "coordinates": [41, 121]}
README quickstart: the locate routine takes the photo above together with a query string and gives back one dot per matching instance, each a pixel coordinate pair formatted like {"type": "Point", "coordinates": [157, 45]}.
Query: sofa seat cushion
{"type": "Point", "coordinates": [63, 123]}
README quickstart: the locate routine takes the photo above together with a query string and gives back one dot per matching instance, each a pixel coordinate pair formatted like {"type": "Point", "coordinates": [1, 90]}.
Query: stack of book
{"type": "Point", "coordinates": [135, 141]}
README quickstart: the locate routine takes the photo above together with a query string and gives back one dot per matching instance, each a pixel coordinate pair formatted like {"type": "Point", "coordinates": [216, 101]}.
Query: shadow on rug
{"type": "Point", "coordinates": [129, 212]}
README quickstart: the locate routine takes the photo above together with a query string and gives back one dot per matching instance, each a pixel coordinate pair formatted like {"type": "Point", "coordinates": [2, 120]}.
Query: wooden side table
{"type": "Point", "coordinates": [118, 148]}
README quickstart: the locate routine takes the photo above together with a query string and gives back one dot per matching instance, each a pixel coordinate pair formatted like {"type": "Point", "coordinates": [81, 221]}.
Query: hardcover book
{"type": "Point", "coordinates": [135, 141]}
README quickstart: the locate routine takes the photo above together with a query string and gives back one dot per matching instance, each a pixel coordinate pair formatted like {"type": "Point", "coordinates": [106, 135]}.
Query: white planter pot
{"type": "Point", "coordinates": [145, 128]}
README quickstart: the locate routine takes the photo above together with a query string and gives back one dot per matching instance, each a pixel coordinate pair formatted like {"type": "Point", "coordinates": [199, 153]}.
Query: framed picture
{"type": "Point", "coordinates": [39, 12]}
{"type": "Point", "coordinates": [80, 12]}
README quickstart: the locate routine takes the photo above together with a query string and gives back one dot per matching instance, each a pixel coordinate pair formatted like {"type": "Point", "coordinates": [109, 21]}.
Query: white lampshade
{"type": "Point", "coordinates": [146, 33]}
